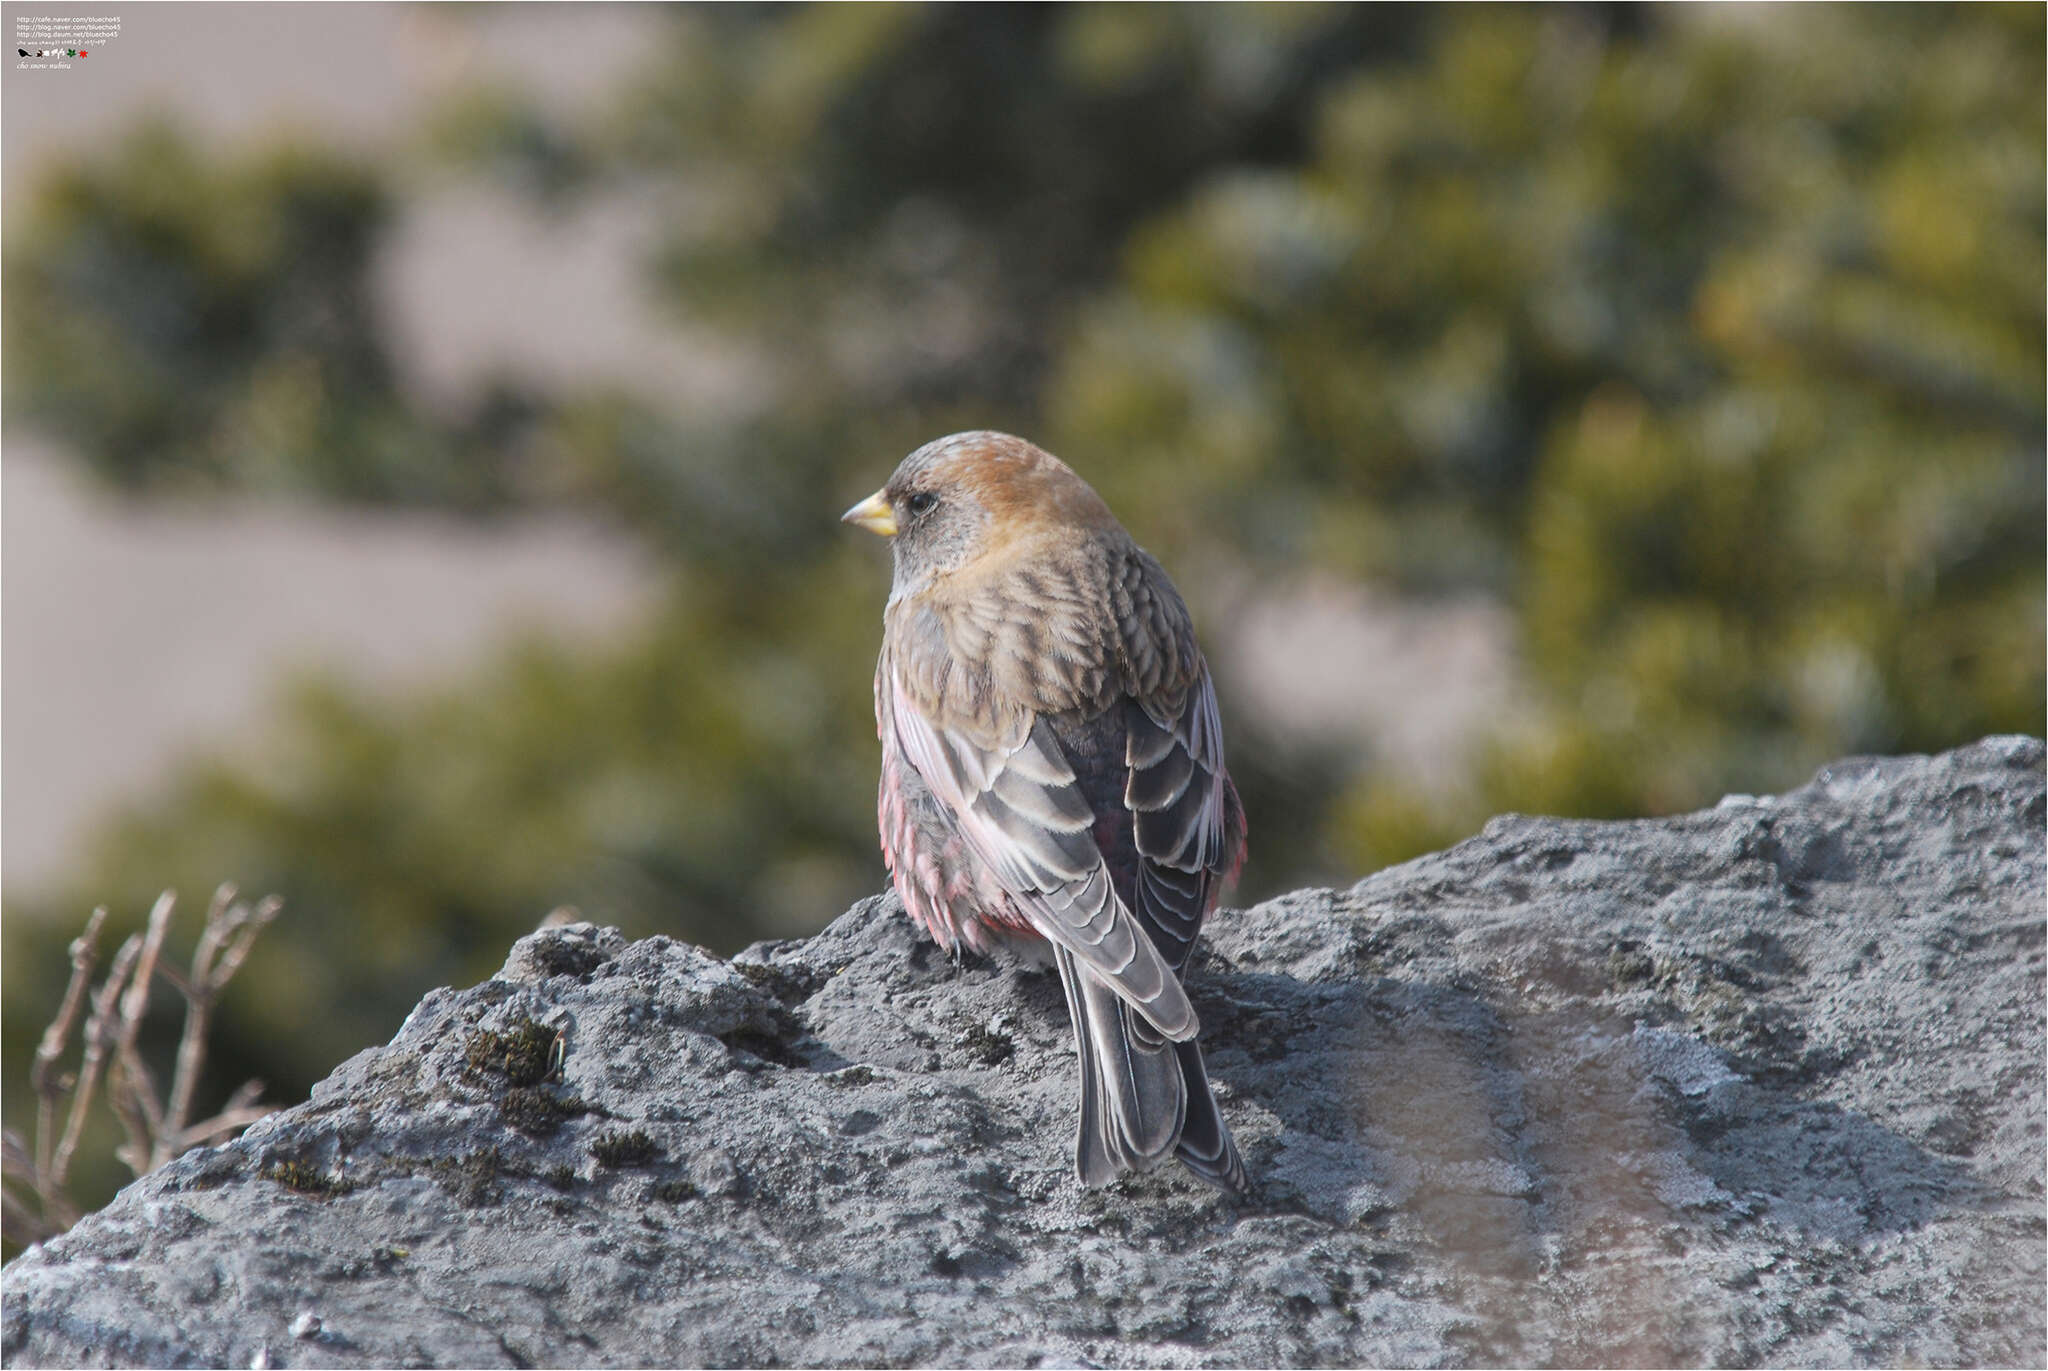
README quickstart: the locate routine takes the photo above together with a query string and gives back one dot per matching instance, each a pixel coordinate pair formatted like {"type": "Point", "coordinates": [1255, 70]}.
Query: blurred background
{"type": "Point", "coordinates": [425, 431]}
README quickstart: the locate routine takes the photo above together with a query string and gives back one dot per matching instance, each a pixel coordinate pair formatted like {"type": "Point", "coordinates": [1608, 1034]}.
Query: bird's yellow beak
{"type": "Point", "coordinates": [873, 514]}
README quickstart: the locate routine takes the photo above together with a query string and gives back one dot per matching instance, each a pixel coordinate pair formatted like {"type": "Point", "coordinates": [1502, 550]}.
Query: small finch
{"type": "Point", "coordinates": [1052, 773]}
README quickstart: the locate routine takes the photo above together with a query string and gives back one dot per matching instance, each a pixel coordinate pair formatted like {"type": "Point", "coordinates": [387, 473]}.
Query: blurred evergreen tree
{"type": "Point", "coordinates": [1710, 340]}
{"type": "Point", "coordinates": [1716, 350]}
{"type": "Point", "coordinates": [184, 324]}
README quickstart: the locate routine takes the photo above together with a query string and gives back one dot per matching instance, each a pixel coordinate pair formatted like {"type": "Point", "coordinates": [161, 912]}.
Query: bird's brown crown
{"type": "Point", "coordinates": [1024, 488]}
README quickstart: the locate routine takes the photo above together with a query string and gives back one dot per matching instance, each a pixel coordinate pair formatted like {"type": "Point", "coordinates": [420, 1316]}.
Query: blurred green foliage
{"type": "Point", "coordinates": [187, 324]}
{"type": "Point", "coordinates": [1710, 340]}
{"type": "Point", "coordinates": [1716, 350]}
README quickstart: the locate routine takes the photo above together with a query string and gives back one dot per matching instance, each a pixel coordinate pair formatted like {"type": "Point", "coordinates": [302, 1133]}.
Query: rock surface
{"type": "Point", "coordinates": [1762, 1084]}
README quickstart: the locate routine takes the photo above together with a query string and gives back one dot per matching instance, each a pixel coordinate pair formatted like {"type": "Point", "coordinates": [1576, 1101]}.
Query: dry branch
{"type": "Point", "coordinates": [37, 1202]}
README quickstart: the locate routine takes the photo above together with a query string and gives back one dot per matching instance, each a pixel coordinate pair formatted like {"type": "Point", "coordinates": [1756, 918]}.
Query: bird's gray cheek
{"type": "Point", "coordinates": [909, 574]}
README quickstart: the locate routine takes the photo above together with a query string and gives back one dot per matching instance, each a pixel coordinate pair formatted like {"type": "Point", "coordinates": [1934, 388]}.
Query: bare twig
{"type": "Point", "coordinates": [239, 1112]}
{"type": "Point", "coordinates": [223, 916]}
{"type": "Point", "coordinates": [132, 1090]}
{"type": "Point", "coordinates": [113, 1014]}
{"type": "Point", "coordinates": [18, 1167]}
{"type": "Point", "coordinates": [85, 955]}
{"type": "Point", "coordinates": [100, 1037]}
{"type": "Point", "coordinates": [243, 937]}
{"type": "Point", "coordinates": [35, 1171]}
{"type": "Point", "coordinates": [18, 1224]}
{"type": "Point", "coordinates": [230, 931]}
{"type": "Point", "coordinates": [20, 1178]}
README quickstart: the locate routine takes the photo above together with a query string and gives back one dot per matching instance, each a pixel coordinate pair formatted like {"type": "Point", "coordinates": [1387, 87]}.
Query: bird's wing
{"type": "Point", "coordinates": [1022, 812]}
{"type": "Point", "coordinates": [1187, 822]}
{"type": "Point", "coordinates": [1189, 829]}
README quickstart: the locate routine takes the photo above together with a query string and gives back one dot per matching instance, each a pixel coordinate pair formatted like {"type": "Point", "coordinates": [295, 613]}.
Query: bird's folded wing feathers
{"type": "Point", "coordinates": [1176, 795]}
{"type": "Point", "coordinates": [1022, 812]}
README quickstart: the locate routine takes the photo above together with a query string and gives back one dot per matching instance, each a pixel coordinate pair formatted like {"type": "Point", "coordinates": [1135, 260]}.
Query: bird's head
{"type": "Point", "coordinates": [968, 499]}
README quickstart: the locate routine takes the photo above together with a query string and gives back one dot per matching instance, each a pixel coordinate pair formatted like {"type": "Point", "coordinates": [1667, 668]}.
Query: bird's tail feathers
{"type": "Point", "coordinates": [1206, 1147]}
{"type": "Point", "coordinates": [1134, 1096]}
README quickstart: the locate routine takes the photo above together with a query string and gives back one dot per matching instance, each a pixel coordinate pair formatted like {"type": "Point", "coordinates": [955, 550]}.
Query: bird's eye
{"type": "Point", "coordinates": [921, 503]}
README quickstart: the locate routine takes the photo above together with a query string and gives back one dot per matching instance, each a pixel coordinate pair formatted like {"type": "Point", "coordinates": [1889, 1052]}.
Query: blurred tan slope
{"type": "Point", "coordinates": [130, 633]}
{"type": "Point", "coordinates": [354, 74]}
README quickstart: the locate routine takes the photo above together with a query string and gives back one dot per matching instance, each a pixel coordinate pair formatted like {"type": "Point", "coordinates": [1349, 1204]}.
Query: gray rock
{"type": "Point", "coordinates": [1762, 1084]}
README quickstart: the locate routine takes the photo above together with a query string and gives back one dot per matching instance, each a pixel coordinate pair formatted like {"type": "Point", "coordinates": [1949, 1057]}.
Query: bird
{"type": "Point", "coordinates": [1053, 784]}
